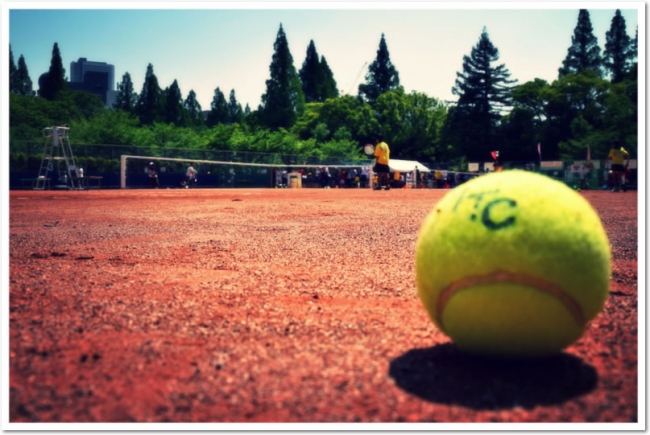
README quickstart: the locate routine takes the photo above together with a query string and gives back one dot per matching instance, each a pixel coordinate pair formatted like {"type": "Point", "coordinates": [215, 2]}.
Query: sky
{"type": "Point", "coordinates": [230, 45]}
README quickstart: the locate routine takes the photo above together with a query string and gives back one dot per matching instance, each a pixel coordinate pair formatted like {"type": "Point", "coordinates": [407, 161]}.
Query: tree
{"type": "Point", "coordinates": [584, 52]}
{"type": "Point", "coordinates": [12, 72]}
{"type": "Point", "coordinates": [317, 79]}
{"type": "Point", "coordinates": [574, 108]}
{"type": "Point", "coordinates": [328, 88]}
{"type": "Point", "coordinates": [284, 99]}
{"type": "Point", "coordinates": [411, 123]}
{"type": "Point", "coordinates": [22, 83]}
{"type": "Point", "coordinates": [619, 52]}
{"type": "Point", "coordinates": [235, 112]}
{"type": "Point", "coordinates": [348, 111]}
{"type": "Point", "coordinates": [382, 75]}
{"type": "Point", "coordinates": [126, 98]}
{"type": "Point", "coordinates": [150, 99]}
{"type": "Point", "coordinates": [219, 109]}
{"type": "Point", "coordinates": [173, 110]}
{"type": "Point", "coordinates": [311, 74]}
{"type": "Point", "coordinates": [54, 80]}
{"type": "Point", "coordinates": [484, 93]}
{"type": "Point", "coordinates": [193, 108]}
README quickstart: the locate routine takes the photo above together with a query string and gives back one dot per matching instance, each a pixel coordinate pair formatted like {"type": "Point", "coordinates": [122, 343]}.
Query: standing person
{"type": "Point", "coordinates": [191, 176]}
{"type": "Point", "coordinates": [382, 159]}
{"type": "Point", "coordinates": [364, 176]}
{"type": "Point", "coordinates": [438, 178]}
{"type": "Point", "coordinates": [620, 161]}
{"type": "Point", "coordinates": [154, 182]}
{"type": "Point", "coordinates": [80, 175]}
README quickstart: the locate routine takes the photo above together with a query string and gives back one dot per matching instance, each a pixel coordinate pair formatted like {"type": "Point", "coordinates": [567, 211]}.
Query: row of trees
{"type": "Point", "coordinates": [593, 101]}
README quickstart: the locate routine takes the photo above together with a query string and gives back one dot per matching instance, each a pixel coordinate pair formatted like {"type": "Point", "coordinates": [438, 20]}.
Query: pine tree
{"type": "Point", "coordinates": [284, 99]}
{"type": "Point", "coordinates": [247, 110]}
{"type": "Point", "coordinates": [150, 99]}
{"type": "Point", "coordinates": [12, 72]}
{"type": "Point", "coordinates": [174, 112]}
{"type": "Point", "coordinates": [126, 98]}
{"type": "Point", "coordinates": [329, 88]}
{"type": "Point", "coordinates": [584, 52]}
{"type": "Point", "coordinates": [54, 79]}
{"type": "Point", "coordinates": [618, 53]}
{"type": "Point", "coordinates": [193, 108]}
{"type": "Point", "coordinates": [311, 74]}
{"type": "Point", "coordinates": [235, 112]}
{"type": "Point", "coordinates": [484, 93]}
{"type": "Point", "coordinates": [219, 109]}
{"type": "Point", "coordinates": [23, 84]}
{"type": "Point", "coordinates": [633, 72]}
{"type": "Point", "coordinates": [382, 75]}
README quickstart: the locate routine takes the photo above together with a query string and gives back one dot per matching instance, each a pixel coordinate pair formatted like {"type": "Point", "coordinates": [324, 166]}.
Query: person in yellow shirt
{"type": "Point", "coordinates": [620, 161]}
{"type": "Point", "coordinates": [382, 159]}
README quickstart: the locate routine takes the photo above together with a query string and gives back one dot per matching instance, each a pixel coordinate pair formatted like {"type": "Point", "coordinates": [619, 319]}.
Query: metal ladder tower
{"type": "Point", "coordinates": [58, 162]}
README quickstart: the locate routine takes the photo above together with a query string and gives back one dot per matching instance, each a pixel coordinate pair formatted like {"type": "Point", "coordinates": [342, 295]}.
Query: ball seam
{"type": "Point", "coordinates": [510, 278]}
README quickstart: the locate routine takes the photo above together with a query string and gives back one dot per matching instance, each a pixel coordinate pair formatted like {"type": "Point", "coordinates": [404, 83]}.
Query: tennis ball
{"type": "Point", "coordinates": [512, 264]}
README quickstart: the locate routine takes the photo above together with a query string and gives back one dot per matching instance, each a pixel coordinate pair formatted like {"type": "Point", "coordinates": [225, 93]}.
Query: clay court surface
{"type": "Point", "coordinates": [267, 305]}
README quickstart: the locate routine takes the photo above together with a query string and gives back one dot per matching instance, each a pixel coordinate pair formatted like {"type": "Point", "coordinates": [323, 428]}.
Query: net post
{"type": "Point", "coordinates": [123, 171]}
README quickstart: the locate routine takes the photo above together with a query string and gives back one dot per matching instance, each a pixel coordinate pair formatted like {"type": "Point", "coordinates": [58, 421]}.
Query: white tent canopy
{"type": "Point", "coordinates": [406, 166]}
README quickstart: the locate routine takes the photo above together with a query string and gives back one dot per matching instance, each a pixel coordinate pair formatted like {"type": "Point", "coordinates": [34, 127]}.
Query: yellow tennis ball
{"type": "Point", "coordinates": [513, 264]}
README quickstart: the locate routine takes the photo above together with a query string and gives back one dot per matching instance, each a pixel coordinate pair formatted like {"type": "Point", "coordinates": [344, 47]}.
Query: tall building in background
{"type": "Point", "coordinates": [95, 77]}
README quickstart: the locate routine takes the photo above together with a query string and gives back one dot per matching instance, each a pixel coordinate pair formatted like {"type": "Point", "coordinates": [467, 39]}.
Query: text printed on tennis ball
{"type": "Point", "coordinates": [485, 210]}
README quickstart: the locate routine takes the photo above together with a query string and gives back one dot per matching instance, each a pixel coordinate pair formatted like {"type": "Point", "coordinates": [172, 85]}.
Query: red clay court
{"type": "Point", "coordinates": [276, 305]}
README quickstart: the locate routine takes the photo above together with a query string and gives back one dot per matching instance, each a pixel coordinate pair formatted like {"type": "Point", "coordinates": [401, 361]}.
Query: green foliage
{"type": "Point", "coordinates": [484, 93]}
{"type": "Point", "coordinates": [21, 83]}
{"type": "Point", "coordinates": [111, 127]}
{"type": "Point", "coordinates": [219, 113]}
{"type": "Point", "coordinates": [577, 110]}
{"type": "Point", "coordinates": [382, 75]}
{"type": "Point", "coordinates": [194, 111]}
{"type": "Point", "coordinates": [306, 122]}
{"type": "Point", "coordinates": [620, 114]}
{"type": "Point", "coordinates": [411, 123]}
{"type": "Point", "coordinates": [328, 87]}
{"type": "Point", "coordinates": [340, 146]}
{"type": "Point", "coordinates": [29, 115]}
{"type": "Point", "coordinates": [126, 98]}
{"type": "Point", "coordinates": [358, 116]}
{"type": "Point", "coordinates": [582, 135]}
{"type": "Point", "coordinates": [235, 112]}
{"type": "Point", "coordinates": [529, 96]}
{"type": "Point", "coordinates": [584, 52]}
{"type": "Point", "coordinates": [150, 101]}
{"type": "Point", "coordinates": [12, 72]}
{"type": "Point", "coordinates": [318, 82]}
{"type": "Point", "coordinates": [321, 133]}
{"type": "Point", "coordinates": [311, 75]}
{"type": "Point", "coordinates": [519, 134]}
{"type": "Point", "coordinates": [284, 100]}
{"type": "Point", "coordinates": [54, 80]}
{"type": "Point", "coordinates": [173, 111]}
{"type": "Point", "coordinates": [619, 52]}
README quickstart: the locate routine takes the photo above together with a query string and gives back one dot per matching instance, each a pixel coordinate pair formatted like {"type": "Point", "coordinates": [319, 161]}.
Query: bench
{"type": "Point", "coordinates": [86, 182]}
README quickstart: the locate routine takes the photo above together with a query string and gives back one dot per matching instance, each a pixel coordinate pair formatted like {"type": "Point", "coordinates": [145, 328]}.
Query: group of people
{"type": "Point", "coordinates": [154, 180]}
{"type": "Point", "coordinates": [353, 177]}
{"type": "Point", "coordinates": [329, 178]}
